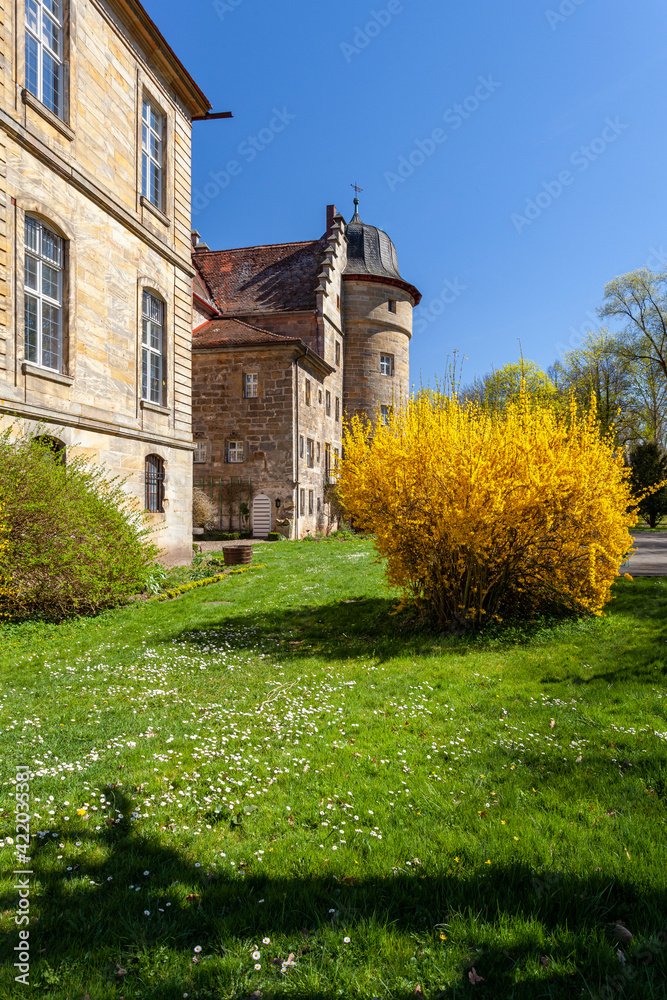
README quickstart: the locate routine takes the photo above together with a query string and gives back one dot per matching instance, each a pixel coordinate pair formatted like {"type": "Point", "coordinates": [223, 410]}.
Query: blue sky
{"type": "Point", "coordinates": [545, 183]}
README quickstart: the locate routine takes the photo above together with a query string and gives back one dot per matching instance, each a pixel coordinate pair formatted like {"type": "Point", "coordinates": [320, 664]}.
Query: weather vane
{"type": "Point", "coordinates": [357, 189]}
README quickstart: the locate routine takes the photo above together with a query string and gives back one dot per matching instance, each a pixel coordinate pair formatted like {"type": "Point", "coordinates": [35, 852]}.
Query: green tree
{"type": "Point", "coordinates": [502, 386]}
{"type": "Point", "coordinates": [649, 467]}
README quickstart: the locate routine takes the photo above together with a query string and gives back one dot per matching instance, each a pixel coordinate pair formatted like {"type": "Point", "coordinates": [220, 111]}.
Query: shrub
{"type": "Point", "coordinates": [480, 514]}
{"type": "Point", "coordinates": [274, 536]}
{"type": "Point", "coordinates": [203, 509]}
{"type": "Point", "coordinates": [76, 541]}
{"type": "Point", "coordinates": [245, 534]}
{"type": "Point", "coordinates": [648, 469]}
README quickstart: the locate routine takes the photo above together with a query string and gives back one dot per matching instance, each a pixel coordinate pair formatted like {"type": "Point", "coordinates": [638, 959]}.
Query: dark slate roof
{"type": "Point", "coordinates": [370, 251]}
{"type": "Point", "coordinates": [235, 333]}
{"type": "Point", "coordinates": [277, 278]}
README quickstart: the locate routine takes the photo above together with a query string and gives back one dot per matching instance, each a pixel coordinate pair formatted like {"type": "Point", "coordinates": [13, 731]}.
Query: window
{"type": "Point", "coordinates": [311, 502]}
{"type": "Point", "coordinates": [250, 385]}
{"type": "Point", "coordinates": [201, 452]}
{"type": "Point", "coordinates": [310, 453]}
{"type": "Point", "coordinates": [319, 504]}
{"type": "Point", "coordinates": [391, 305]}
{"type": "Point", "coordinates": [328, 404]}
{"type": "Point", "coordinates": [302, 502]}
{"type": "Point", "coordinates": [327, 461]}
{"type": "Point", "coordinates": [337, 408]}
{"type": "Point", "coordinates": [337, 352]}
{"type": "Point", "coordinates": [338, 302]}
{"type": "Point", "coordinates": [318, 452]}
{"type": "Point", "coordinates": [53, 448]}
{"type": "Point", "coordinates": [301, 446]}
{"type": "Point", "coordinates": [385, 413]}
{"type": "Point", "coordinates": [386, 364]}
{"type": "Point", "coordinates": [152, 375]}
{"type": "Point", "coordinates": [307, 392]}
{"type": "Point", "coordinates": [154, 484]}
{"type": "Point", "coordinates": [43, 307]}
{"type": "Point", "coordinates": [319, 396]}
{"type": "Point", "coordinates": [44, 52]}
{"type": "Point", "coordinates": [235, 451]}
{"type": "Point", "coordinates": [152, 168]}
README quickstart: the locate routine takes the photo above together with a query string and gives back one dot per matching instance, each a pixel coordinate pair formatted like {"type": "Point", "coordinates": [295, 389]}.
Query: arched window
{"type": "Point", "coordinates": [54, 448]}
{"type": "Point", "coordinates": [44, 271]}
{"type": "Point", "coordinates": [154, 484]}
{"type": "Point", "coordinates": [152, 350]}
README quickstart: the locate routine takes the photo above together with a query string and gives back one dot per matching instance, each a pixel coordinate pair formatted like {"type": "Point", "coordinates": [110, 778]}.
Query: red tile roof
{"type": "Point", "coordinates": [201, 291]}
{"type": "Point", "coordinates": [235, 333]}
{"type": "Point", "coordinates": [277, 278]}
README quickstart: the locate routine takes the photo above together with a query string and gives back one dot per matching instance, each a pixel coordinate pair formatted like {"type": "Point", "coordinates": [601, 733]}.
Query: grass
{"type": "Point", "coordinates": [278, 756]}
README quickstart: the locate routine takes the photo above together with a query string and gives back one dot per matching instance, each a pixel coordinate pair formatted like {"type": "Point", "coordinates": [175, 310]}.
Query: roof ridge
{"type": "Point", "coordinates": [261, 246]}
{"type": "Point", "coordinates": [241, 322]}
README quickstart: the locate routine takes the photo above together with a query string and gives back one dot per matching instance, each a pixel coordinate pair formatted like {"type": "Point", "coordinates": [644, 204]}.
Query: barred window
{"type": "Point", "coordinates": [235, 451]}
{"type": "Point", "coordinates": [152, 155]}
{"type": "Point", "coordinates": [250, 385]}
{"type": "Point", "coordinates": [154, 484]}
{"type": "Point", "coordinates": [43, 305]}
{"type": "Point", "coordinates": [386, 364]}
{"type": "Point", "coordinates": [44, 52]}
{"type": "Point", "coordinates": [152, 355]}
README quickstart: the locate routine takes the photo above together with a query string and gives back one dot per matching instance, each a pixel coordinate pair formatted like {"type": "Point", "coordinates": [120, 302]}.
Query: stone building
{"type": "Point", "coordinates": [287, 339]}
{"type": "Point", "coordinates": [95, 263]}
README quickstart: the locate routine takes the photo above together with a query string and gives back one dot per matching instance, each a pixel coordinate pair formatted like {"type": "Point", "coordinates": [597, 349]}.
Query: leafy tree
{"type": "Point", "coordinates": [76, 541]}
{"type": "Point", "coordinates": [503, 386]}
{"type": "Point", "coordinates": [649, 468]}
{"type": "Point", "coordinates": [639, 301]}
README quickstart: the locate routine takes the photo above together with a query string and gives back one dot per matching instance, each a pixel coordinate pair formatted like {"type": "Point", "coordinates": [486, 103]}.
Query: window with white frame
{"type": "Point", "coordinates": [235, 451]}
{"type": "Point", "coordinates": [152, 154]}
{"type": "Point", "coordinates": [385, 414]}
{"type": "Point", "coordinates": [250, 385]}
{"type": "Point", "coordinates": [201, 452]}
{"type": "Point", "coordinates": [386, 364]}
{"type": "Point", "coordinates": [44, 52]}
{"type": "Point", "coordinates": [43, 298]}
{"type": "Point", "coordinates": [152, 344]}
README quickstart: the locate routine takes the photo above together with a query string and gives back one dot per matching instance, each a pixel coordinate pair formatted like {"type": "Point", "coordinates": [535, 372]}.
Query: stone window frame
{"type": "Point", "coordinates": [248, 383]}
{"type": "Point", "coordinates": [43, 213]}
{"type": "Point", "coordinates": [327, 403]}
{"type": "Point", "coordinates": [337, 353]}
{"type": "Point", "coordinates": [310, 453]}
{"type": "Point", "coordinates": [62, 121]}
{"type": "Point", "coordinates": [319, 504]}
{"type": "Point", "coordinates": [319, 396]}
{"type": "Point", "coordinates": [146, 283]}
{"type": "Point", "coordinates": [307, 392]}
{"type": "Point", "coordinates": [236, 447]}
{"type": "Point", "coordinates": [47, 256]}
{"type": "Point", "coordinates": [200, 454]}
{"type": "Point", "coordinates": [148, 90]}
{"type": "Point", "coordinates": [311, 502]}
{"type": "Point", "coordinates": [386, 361]}
{"type": "Point", "coordinates": [301, 446]}
{"type": "Point", "coordinates": [337, 407]}
{"type": "Point", "coordinates": [154, 483]}
{"type": "Point", "coordinates": [391, 305]}
{"type": "Point", "coordinates": [302, 502]}
{"type": "Point", "coordinates": [317, 452]}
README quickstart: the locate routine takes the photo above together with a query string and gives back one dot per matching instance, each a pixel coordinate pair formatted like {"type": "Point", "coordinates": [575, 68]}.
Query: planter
{"type": "Point", "coordinates": [237, 555]}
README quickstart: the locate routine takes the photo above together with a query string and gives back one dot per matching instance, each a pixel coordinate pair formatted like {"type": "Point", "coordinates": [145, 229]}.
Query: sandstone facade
{"type": "Point", "coordinates": [73, 163]}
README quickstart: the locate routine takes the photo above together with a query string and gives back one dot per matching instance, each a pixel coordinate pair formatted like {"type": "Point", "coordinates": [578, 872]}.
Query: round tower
{"type": "Point", "coordinates": [377, 319]}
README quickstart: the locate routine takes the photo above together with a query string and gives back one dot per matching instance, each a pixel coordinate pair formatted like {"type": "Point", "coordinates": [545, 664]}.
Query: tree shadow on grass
{"type": "Point", "coordinates": [93, 925]}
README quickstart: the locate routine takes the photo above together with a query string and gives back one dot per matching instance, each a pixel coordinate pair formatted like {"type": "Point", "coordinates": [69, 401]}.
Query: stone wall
{"type": "Point", "coordinates": [82, 175]}
{"type": "Point", "coordinates": [370, 331]}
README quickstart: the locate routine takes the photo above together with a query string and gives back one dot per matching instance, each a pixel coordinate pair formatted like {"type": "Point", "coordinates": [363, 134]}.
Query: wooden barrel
{"type": "Point", "coordinates": [237, 555]}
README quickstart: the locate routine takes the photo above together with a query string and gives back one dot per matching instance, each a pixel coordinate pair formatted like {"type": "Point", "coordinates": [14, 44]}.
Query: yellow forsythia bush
{"type": "Point", "coordinates": [482, 514]}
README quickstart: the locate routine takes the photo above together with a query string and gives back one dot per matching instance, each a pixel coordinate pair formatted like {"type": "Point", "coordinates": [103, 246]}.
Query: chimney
{"type": "Point", "coordinates": [331, 215]}
{"type": "Point", "coordinates": [197, 242]}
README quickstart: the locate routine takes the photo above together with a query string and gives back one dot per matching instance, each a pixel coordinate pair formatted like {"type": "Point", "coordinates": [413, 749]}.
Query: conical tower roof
{"type": "Point", "coordinates": [371, 253]}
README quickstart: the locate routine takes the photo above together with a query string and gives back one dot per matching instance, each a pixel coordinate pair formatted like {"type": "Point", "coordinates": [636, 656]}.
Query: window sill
{"type": "Point", "coordinates": [145, 203]}
{"type": "Point", "coordinates": [154, 407]}
{"type": "Point", "coordinates": [33, 102]}
{"type": "Point", "coordinates": [28, 368]}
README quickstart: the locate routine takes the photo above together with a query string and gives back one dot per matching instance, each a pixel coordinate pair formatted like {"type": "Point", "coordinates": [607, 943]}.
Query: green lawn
{"type": "Point", "coordinates": [279, 757]}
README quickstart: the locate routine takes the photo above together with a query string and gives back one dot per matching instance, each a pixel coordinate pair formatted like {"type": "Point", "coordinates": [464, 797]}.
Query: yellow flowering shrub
{"type": "Point", "coordinates": [5, 580]}
{"type": "Point", "coordinates": [482, 514]}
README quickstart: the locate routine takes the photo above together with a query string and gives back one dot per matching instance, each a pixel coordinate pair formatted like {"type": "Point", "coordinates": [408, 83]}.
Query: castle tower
{"type": "Point", "coordinates": [377, 319]}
